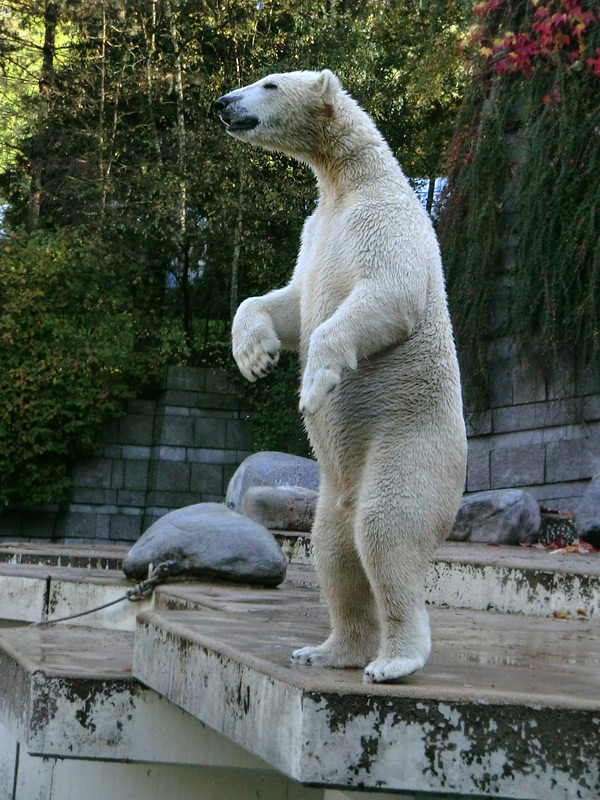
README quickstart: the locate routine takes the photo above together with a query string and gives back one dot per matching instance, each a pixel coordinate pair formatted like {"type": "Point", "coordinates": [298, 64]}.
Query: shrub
{"type": "Point", "coordinates": [73, 348]}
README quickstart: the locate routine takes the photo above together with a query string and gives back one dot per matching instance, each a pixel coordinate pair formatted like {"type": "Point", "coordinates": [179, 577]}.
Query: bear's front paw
{"type": "Point", "coordinates": [315, 388]}
{"type": "Point", "coordinates": [257, 353]}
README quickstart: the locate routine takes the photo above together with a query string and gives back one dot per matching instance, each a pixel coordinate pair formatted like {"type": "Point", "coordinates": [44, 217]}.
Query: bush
{"type": "Point", "coordinates": [73, 348]}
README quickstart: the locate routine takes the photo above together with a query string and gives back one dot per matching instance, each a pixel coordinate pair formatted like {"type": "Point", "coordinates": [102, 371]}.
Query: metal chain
{"type": "Point", "coordinates": [143, 589]}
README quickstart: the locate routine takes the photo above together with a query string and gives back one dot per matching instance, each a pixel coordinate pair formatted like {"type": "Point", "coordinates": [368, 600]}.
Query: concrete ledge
{"type": "Point", "coordinates": [70, 693]}
{"type": "Point", "coordinates": [63, 555]}
{"type": "Point", "coordinates": [506, 579]}
{"type": "Point", "coordinates": [514, 580]}
{"type": "Point", "coordinates": [507, 706]}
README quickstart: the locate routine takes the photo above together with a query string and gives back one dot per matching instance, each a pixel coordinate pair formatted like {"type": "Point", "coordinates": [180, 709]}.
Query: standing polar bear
{"type": "Point", "coordinates": [366, 309]}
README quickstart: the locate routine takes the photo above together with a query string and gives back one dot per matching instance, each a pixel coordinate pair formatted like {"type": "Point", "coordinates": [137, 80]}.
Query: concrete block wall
{"type": "Point", "coordinates": [177, 449]}
{"type": "Point", "coordinates": [541, 432]}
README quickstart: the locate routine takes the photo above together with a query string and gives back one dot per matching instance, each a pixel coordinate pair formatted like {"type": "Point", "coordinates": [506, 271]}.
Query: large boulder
{"type": "Point", "coordinates": [208, 540]}
{"type": "Point", "coordinates": [271, 469]}
{"type": "Point", "coordinates": [281, 508]}
{"type": "Point", "coordinates": [504, 516]}
{"type": "Point", "coordinates": [587, 513]}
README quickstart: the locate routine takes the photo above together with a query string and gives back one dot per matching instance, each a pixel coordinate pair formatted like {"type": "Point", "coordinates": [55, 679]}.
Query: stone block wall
{"type": "Point", "coordinates": [541, 432]}
{"type": "Point", "coordinates": [180, 448]}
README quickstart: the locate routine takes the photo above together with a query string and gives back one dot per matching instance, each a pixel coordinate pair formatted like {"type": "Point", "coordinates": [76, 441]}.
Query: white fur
{"type": "Point", "coordinates": [366, 309]}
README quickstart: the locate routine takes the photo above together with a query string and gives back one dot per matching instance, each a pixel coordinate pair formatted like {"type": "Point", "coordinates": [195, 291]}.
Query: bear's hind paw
{"type": "Point", "coordinates": [308, 655]}
{"type": "Point", "coordinates": [324, 656]}
{"type": "Point", "coordinates": [384, 670]}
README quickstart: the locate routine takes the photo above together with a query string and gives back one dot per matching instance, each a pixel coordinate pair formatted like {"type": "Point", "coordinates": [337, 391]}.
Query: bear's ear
{"type": "Point", "coordinates": [327, 85]}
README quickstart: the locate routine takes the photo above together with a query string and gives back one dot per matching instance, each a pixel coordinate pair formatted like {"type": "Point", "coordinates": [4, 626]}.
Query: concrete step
{"type": "Point", "coordinates": [49, 582]}
{"type": "Point", "coordinates": [94, 556]}
{"type": "Point", "coordinates": [507, 706]}
{"type": "Point", "coordinates": [69, 693]}
{"type": "Point", "coordinates": [36, 592]}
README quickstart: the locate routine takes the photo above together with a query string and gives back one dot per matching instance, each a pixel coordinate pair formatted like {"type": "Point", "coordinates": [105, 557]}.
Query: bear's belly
{"type": "Point", "coordinates": [403, 392]}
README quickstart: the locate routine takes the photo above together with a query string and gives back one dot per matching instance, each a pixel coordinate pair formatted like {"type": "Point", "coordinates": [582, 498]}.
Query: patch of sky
{"type": "Point", "coordinates": [421, 187]}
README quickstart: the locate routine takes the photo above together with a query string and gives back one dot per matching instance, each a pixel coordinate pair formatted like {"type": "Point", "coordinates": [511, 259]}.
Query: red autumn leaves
{"type": "Point", "coordinates": [555, 32]}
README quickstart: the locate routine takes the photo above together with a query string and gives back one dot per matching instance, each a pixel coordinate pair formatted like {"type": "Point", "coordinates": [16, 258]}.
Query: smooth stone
{"type": "Point", "coordinates": [208, 540]}
{"type": "Point", "coordinates": [587, 513]}
{"type": "Point", "coordinates": [281, 508]}
{"type": "Point", "coordinates": [504, 516]}
{"type": "Point", "coordinates": [271, 469]}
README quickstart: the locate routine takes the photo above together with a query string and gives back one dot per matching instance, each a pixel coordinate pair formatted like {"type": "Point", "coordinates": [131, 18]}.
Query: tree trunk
{"type": "Point", "coordinates": [45, 86]}
{"type": "Point", "coordinates": [237, 247]}
{"type": "Point", "coordinates": [150, 40]}
{"type": "Point", "coordinates": [430, 194]}
{"type": "Point", "coordinates": [183, 254]}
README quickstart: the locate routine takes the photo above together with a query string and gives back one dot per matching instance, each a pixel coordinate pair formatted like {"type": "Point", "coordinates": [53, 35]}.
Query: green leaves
{"type": "Point", "coordinates": [71, 351]}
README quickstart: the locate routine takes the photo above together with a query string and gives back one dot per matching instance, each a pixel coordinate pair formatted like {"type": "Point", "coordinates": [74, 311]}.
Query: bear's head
{"type": "Point", "coordinates": [284, 111]}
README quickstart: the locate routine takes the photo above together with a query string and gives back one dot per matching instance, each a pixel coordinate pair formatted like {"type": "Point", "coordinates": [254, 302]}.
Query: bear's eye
{"type": "Point", "coordinates": [269, 85]}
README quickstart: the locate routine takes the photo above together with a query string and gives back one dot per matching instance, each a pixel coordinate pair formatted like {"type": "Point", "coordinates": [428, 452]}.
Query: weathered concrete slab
{"type": "Point", "coordinates": [36, 592]}
{"type": "Point", "coordinates": [512, 580]}
{"type": "Point", "coordinates": [507, 579]}
{"type": "Point", "coordinates": [515, 580]}
{"type": "Point", "coordinates": [69, 693]}
{"type": "Point", "coordinates": [73, 779]}
{"type": "Point", "coordinates": [63, 555]}
{"type": "Point", "coordinates": [508, 706]}
{"type": "Point", "coordinates": [23, 593]}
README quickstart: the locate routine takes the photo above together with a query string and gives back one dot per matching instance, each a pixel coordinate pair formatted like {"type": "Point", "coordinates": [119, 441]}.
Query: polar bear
{"type": "Point", "coordinates": [366, 309]}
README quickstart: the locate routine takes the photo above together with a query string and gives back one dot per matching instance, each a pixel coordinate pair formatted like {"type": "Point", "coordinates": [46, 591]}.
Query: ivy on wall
{"type": "Point", "coordinates": [519, 225]}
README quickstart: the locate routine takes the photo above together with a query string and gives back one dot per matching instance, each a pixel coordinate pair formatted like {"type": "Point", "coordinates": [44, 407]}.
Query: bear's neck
{"type": "Point", "coordinates": [350, 162]}
{"type": "Point", "coordinates": [354, 170]}
{"type": "Point", "coordinates": [352, 154]}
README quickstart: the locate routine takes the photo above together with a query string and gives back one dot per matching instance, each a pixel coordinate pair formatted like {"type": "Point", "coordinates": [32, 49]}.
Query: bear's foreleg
{"type": "Point", "coordinates": [344, 587]}
{"type": "Point", "coordinates": [262, 327]}
{"type": "Point", "coordinates": [369, 320]}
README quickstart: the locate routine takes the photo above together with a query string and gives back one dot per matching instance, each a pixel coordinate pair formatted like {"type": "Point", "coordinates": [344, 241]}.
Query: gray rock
{"type": "Point", "coordinates": [505, 516]}
{"type": "Point", "coordinates": [271, 469]}
{"type": "Point", "coordinates": [587, 513]}
{"type": "Point", "coordinates": [281, 508]}
{"type": "Point", "coordinates": [208, 540]}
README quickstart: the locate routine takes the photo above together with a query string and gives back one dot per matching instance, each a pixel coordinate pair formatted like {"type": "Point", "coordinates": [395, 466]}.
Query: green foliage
{"type": "Point", "coordinates": [73, 347]}
{"type": "Point", "coordinates": [273, 403]}
{"type": "Point", "coordinates": [519, 227]}
{"type": "Point", "coordinates": [112, 133]}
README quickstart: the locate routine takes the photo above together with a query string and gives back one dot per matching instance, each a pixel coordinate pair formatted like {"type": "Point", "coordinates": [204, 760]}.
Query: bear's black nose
{"type": "Point", "coordinates": [222, 102]}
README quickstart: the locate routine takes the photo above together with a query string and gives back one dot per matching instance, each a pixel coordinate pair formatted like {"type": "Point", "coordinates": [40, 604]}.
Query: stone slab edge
{"type": "Point", "coordinates": [112, 718]}
{"type": "Point", "coordinates": [407, 739]}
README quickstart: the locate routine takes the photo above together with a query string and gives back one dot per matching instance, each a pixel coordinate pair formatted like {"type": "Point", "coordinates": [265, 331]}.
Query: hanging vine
{"type": "Point", "coordinates": [519, 225]}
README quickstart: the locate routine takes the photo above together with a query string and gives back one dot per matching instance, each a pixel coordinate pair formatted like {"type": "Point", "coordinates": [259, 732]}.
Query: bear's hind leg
{"type": "Point", "coordinates": [400, 521]}
{"type": "Point", "coordinates": [354, 638]}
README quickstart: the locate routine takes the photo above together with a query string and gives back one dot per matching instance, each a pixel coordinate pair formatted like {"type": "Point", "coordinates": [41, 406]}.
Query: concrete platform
{"type": "Point", "coordinates": [61, 555]}
{"type": "Point", "coordinates": [69, 693]}
{"type": "Point", "coordinates": [36, 592]}
{"type": "Point", "coordinates": [53, 580]}
{"type": "Point", "coordinates": [508, 706]}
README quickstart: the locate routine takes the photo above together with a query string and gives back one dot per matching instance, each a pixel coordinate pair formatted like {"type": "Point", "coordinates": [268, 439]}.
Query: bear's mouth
{"type": "Point", "coordinates": [244, 124]}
